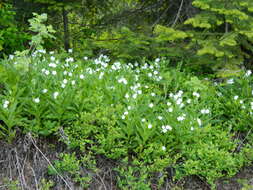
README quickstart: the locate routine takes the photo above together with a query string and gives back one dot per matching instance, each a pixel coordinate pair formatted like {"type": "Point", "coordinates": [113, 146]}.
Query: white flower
{"type": "Point", "coordinates": [127, 96]}
{"type": "Point", "coordinates": [47, 72]}
{"type": "Point", "coordinates": [139, 91]}
{"type": "Point", "coordinates": [52, 58]}
{"type": "Point", "coordinates": [44, 91]}
{"type": "Point", "coordinates": [170, 110]}
{"type": "Point", "coordinates": [155, 72]}
{"type": "Point", "coordinates": [248, 73]}
{"type": "Point", "coordinates": [149, 126]}
{"type": "Point", "coordinates": [129, 107]}
{"type": "Point", "coordinates": [11, 57]}
{"type": "Point", "coordinates": [196, 94]}
{"type": "Point", "coordinates": [135, 96]}
{"type": "Point", "coordinates": [123, 117]}
{"type": "Point", "coordinates": [51, 52]}
{"type": "Point", "coordinates": [163, 148]}
{"type": "Point", "coordinates": [101, 75]}
{"type": "Point", "coordinates": [63, 85]}
{"type": "Point", "coordinates": [73, 82]}
{"type": "Point", "coordinates": [126, 113]}
{"type": "Point", "coordinates": [143, 120]}
{"type": "Point", "coordinates": [180, 92]}
{"type": "Point", "coordinates": [65, 73]}
{"type": "Point", "coordinates": [70, 74]}
{"type": "Point", "coordinates": [252, 92]}
{"type": "Point", "coordinates": [85, 58]}
{"type": "Point", "coordinates": [192, 128]}
{"type": "Point", "coordinates": [81, 76]}
{"type": "Point", "coordinates": [241, 102]}
{"type": "Point", "coordinates": [6, 104]}
{"type": "Point", "coordinates": [122, 80]}
{"type": "Point", "coordinates": [168, 103]}
{"type": "Point", "coordinates": [181, 118]}
{"type": "Point", "coordinates": [199, 122]}
{"type": "Point", "coordinates": [55, 94]}
{"type": "Point", "coordinates": [230, 81]}
{"type": "Point", "coordinates": [150, 74]}
{"type": "Point", "coordinates": [157, 60]}
{"type": "Point", "coordinates": [236, 97]}
{"type": "Point", "coordinates": [36, 100]}
{"type": "Point", "coordinates": [181, 105]}
{"type": "Point", "coordinates": [70, 50]}
{"type": "Point", "coordinates": [151, 105]}
{"type": "Point", "coordinates": [166, 128]}
{"type": "Point", "coordinates": [53, 65]}
{"type": "Point", "coordinates": [188, 101]}
{"type": "Point", "coordinates": [54, 72]}
{"type": "Point", "coordinates": [179, 101]}
{"type": "Point", "coordinates": [160, 117]}
{"type": "Point", "coordinates": [69, 59]}
{"type": "Point", "coordinates": [153, 94]}
{"type": "Point", "coordinates": [205, 111]}
{"type": "Point", "coordinates": [65, 81]}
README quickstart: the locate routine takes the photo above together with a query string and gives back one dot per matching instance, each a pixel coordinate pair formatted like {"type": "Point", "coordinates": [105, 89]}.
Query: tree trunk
{"type": "Point", "coordinates": [66, 29]}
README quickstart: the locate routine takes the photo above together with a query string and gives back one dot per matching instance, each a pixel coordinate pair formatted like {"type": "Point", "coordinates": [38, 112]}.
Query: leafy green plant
{"type": "Point", "coordinates": [70, 165]}
{"type": "Point", "coordinates": [46, 185]}
{"type": "Point", "coordinates": [43, 31]}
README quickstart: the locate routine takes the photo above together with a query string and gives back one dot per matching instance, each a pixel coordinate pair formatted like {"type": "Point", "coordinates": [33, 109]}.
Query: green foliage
{"type": "Point", "coordinates": [219, 30]}
{"type": "Point", "coordinates": [210, 159]}
{"type": "Point", "coordinates": [43, 31]}
{"type": "Point", "coordinates": [12, 37]}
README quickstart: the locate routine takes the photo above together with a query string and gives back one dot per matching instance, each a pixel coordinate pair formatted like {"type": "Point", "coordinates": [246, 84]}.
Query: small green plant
{"type": "Point", "coordinates": [46, 185]}
{"type": "Point", "coordinates": [11, 184]}
{"type": "Point", "coordinates": [70, 165]}
{"type": "Point", "coordinates": [42, 31]}
{"type": "Point", "coordinates": [133, 177]}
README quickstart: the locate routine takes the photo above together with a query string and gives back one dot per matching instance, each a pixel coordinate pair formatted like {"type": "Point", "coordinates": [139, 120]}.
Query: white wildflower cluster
{"type": "Point", "coordinates": [205, 111]}
{"type": "Point", "coordinates": [124, 115]}
{"type": "Point", "coordinates": [102, 60]}
{"type": "Point", "coordinates": [178, 98]}
{"type": "Point", "coordinates": [122, 80]}
{"type": "Point", "coordinates": [69, 60]}
{"type": "Point", "coordinates": [6, 104]}
{"type": "Point", "coordinates": [136, 89]}
{"type": "Point", "coordinates": [248, 73]}
{"type": "Point", "coordinates": [196, 94]}
{"type": "Point", "coordinates": [166, 128]}
{"type": "Point", "coordinates": [251, 105]}
{"type": "Point", "coordinates": [116, 66]}
{"type": "Point", "coordinates": [181, 117]}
